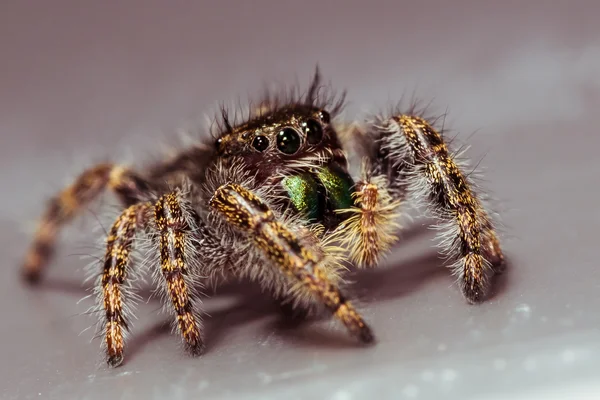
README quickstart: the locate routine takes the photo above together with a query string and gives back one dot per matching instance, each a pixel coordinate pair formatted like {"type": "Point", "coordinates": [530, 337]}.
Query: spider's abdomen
{"type": "Point", "coordinates": [318, 194]}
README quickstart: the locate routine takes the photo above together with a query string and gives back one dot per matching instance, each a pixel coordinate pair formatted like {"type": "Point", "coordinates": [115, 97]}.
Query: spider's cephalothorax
{"type": "Point", "coordinates": [272, 199]}
{"type": "Point", "coordinates": [295, 151]}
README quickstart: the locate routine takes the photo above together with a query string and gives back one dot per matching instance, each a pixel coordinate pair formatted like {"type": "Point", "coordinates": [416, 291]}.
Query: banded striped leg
{"type": "Point", "coordinates": [174, 224]}
{"type": "Point", "coordinates": [413, 145]}
{"type": "Point", "coordinates": [251, 216]}
{"type": "Point", "coordinates": [370, 230]}
{"type": "Point", "coordinates": [119, 246]}
{"type": "Point", "coordinates": [69, 203]}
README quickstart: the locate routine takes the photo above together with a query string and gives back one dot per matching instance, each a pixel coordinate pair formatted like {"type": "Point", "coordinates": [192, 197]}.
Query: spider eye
{"type": "Point", "coordinates": [313, 131]}
{"type": "Point", "coordinates": [324, 115]}
{"type": "Point", "coordinates": [288, 141]}
{"type": "Point", "coordinates": [218, 143]}
{"type": "Point", "coordinates": [260, 143]}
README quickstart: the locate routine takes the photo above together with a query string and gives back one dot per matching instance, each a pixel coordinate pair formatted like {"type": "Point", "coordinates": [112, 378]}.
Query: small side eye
{"type": "Point", "coordinates": [313, 131]}
{"type": "Point", "coordinates": [325, 117]}
{"type": "Point", "coordinates": [218, 143]}
{"type": "Point", "coordinates": [288, 141]}
{"type": "Point", "coordinates": [260, 143]}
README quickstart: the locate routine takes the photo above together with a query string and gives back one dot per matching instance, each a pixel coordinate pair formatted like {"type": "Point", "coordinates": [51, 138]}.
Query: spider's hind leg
{"type": "Point", "coordinates": [128, 186]}
{"type": "Point", "coordinates": [417, 162]}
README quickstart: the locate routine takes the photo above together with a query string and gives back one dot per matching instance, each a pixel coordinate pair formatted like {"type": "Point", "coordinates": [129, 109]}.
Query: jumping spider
{"type": "Point", "coordinates": [272, 199]}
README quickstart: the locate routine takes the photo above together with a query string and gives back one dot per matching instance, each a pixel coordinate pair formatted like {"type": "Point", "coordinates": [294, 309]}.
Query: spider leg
{"type": "Point", "coordinates": [294, 257]}
{"type": "Point", "coordinates": [172, 226]}
{"type": "Point", "coordinates": [175, 225]}
{"type": "Point", "coordinates": [119, 246]}
{"type": "Point", "coordinates": [297, 308]}
{"type": "Point", "coordinates": [418, 163]}
{"type": "Point", "coordinates": [129, 187]}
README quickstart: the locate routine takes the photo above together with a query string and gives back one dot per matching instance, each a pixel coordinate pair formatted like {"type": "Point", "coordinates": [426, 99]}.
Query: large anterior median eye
{"type": "Point", "coordinates": [288, 141]}
{"type": "Point", "coordinates": [313, 131]}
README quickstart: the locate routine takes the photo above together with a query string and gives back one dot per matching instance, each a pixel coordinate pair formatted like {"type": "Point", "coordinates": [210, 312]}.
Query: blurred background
{"type": "Point", "coordinates": [85, 81]}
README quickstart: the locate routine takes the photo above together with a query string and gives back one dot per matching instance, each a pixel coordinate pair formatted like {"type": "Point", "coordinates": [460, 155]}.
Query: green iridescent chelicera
{"type": "Point", "coordinates": [304, 194]}
{"type": "Point", "coordinates": [328, 189]}
{"type": "Point", "coordinates": [338, 184]}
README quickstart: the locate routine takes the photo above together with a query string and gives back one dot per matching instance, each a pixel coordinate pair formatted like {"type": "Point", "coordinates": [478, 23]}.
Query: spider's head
{"type": "Point", "coordinates": [296, 148]}
{"type": "Point", "coordinates": [290, 144]}
{"type": "Point", "coordinates": [286, 136]}
{"type": "Point", "coordinates": [288, 130]}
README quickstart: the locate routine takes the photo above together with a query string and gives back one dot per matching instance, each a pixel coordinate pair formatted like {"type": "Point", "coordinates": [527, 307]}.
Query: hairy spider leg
{"type": "Point", "coordinates": [414, 145]}
{"type": "Point", "coordinates": [71, 201]}
{"type": "Point", "coordinates": [175, 226]}
{"type": "Point", "coordinates": [250, 215]}
{"type": "Point", "coordinates": [119, 246]}
{"type": "Point", "coordinates": [172, 230]}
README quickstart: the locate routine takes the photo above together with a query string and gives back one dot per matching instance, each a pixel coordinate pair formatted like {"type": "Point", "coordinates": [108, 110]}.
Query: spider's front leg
{"type": "Point", "coordinates": [417, 163]}
{"type": "Point", "coordinates": [283, 247]}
